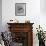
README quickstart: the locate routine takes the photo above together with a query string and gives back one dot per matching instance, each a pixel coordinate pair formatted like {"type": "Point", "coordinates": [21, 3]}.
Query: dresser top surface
{"type": "Point", "coordinates": [19, 23]}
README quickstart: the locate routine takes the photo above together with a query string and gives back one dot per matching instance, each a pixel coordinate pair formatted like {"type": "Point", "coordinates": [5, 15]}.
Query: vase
{"type": "Point", "coordinates": [41, 43]}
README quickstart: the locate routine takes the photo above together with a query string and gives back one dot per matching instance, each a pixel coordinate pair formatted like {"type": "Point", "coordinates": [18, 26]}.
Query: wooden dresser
{"type": "Point", "coordinates": [22, 33]}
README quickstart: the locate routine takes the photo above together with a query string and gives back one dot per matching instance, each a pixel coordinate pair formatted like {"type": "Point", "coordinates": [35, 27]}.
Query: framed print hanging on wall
{"type": "Point", "coordinates": [20, 9]}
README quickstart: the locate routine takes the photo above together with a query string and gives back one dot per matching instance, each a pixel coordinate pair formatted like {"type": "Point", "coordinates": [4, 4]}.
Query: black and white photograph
{"type": "Point", "coordinates": [20, 9]}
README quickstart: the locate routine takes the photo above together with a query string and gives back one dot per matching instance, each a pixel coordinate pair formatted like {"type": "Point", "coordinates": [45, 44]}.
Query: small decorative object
{"type": "Point", "coordinates": [14, 21]}
{"type": "Point", "coordinates": [11, 20]}
{"type": "Point", "coordinates": [41, 36]}
{"type": "Point", "coordinates": [20, 9]}
{"type": "Point", "coordinates": [27, 21]}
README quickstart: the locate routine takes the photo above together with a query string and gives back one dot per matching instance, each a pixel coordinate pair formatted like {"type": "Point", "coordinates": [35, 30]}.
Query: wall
{"type": "Point", "coordinates": [43, 14]}
{"type": "Point", "coordinates": [33, 13]}
{"type": "Point", "coordinates": [43, 6]}
{"type": "Point", "coordinates": [0, 15]}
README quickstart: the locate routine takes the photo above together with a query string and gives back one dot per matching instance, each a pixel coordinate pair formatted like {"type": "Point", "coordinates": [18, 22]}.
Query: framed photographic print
{"type": "Point", "coordinates": [20, 9]}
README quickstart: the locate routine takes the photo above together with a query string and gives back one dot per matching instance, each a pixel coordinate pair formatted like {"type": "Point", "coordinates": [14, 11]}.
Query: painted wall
{"type": "Point", "coordinates": [43, 6]}
{"type": "Point", "coordinates": [0, 15]}
{"type": "Point", "coordinates": [43, 14]}
{"type": "Point", "coordinates": [33, 13]}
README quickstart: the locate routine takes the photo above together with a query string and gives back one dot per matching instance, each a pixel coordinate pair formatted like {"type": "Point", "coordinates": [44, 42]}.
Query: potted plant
{"type": "Point", "coordinates": [41, 36]}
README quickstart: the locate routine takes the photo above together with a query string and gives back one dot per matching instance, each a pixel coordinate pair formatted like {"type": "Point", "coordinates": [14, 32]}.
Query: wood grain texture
{"type": "Point", "coordinates": [23, 27]}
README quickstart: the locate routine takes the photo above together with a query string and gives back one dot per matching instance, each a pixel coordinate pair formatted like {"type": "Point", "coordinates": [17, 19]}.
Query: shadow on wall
{"type": "Point", "coordinates": [43, 6]}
